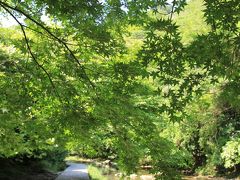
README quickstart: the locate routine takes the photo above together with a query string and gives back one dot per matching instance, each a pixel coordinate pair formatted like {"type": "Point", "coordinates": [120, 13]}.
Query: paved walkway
{"type": "Point", "coordinates": [75, 171]}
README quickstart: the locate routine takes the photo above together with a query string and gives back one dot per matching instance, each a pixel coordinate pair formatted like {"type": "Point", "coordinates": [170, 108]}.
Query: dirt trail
{"type": "Point", "coordinates": [75, 171]}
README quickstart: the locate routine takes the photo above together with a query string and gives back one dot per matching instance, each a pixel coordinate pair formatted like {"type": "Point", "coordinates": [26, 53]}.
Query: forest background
{"type": "Point", "coordinates": [138, 82]}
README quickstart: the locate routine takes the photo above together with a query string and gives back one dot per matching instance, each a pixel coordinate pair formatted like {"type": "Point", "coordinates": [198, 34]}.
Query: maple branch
{"type": "Point", "coordinates": [4, 5]}
{"type": "Point", "coordinates": [30, 51]}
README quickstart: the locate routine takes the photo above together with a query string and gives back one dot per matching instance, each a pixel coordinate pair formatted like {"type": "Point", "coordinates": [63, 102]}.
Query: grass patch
{"type": "Point", "coordinates": [95, 173]}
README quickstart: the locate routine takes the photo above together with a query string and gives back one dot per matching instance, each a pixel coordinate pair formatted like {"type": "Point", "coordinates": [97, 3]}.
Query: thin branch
{"type": "Point", "coordinates": [30, 51]}
{"type": "Point", "coordinates": [39, 32]}
{"type": "Point", "coordinates": [4, 5]}
{"type": "Point", "coordinates": [172, 10]}
{"type": "Point", "coordinates": [165, 14]}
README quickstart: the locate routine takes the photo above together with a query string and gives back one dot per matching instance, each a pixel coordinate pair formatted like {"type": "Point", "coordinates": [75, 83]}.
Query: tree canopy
{"type": "Point", "coordinates": [137, 80]}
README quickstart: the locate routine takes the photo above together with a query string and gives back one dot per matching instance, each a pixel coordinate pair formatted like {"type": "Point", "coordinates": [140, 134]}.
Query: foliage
{"type": "Point", "coordinates": [95, 173]}
{"type": "Point", "coordinates": [210, 126]}
{"type": "Point", "coordinates": [231, 153]}
{"type": "Point", "coordinates": [126, 79]}
{"type": "Point", "coordinates": [191, 21]}
{"type": "Point", "coordinates": [54, 160]}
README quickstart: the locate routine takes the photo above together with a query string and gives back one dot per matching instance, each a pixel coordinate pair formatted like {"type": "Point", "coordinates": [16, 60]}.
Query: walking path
{"type": "Point", "coordinates": [76, 171]}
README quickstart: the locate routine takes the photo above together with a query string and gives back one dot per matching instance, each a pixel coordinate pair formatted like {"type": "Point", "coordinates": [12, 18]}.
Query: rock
{"type": "Point", "coordinates": [98, 164]}
{"type": "Point", "coordinates": [119, 175]}
{"type": "Point", "coordinates": [133, 176]}
{"type": "Point", "coordinates": [114, 165]}
{"type": "Point", "coordinates": [106, 166]}
{"type": "Point", "coordinates": [106, 162]}
{"type": "Point", "coordinates": [147, 177]}
{"type": "Point", "coordinates": [146, 167]}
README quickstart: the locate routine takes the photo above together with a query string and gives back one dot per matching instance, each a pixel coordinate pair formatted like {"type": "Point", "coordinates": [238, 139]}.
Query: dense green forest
{"type": "Point", "coordinates": [139, 82]}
